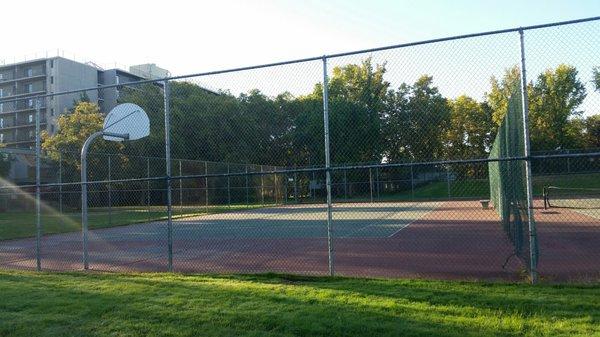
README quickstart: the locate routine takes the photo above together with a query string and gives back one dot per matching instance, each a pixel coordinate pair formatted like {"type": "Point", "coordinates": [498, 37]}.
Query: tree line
{"type": "Point", "coordinates": [370, 120]}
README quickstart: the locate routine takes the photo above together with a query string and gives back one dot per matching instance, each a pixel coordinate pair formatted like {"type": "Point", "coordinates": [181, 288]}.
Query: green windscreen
{"type": "Point", "coordinates": [508, 179]}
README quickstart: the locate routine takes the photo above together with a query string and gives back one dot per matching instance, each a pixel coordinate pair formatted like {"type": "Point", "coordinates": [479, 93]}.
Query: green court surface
{"type": "Point", "coordinates": [22, 224]}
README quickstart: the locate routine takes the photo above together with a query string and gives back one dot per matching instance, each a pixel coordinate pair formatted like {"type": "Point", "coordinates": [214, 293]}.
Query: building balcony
{"type": "Point", "coordinates": [5, 80]}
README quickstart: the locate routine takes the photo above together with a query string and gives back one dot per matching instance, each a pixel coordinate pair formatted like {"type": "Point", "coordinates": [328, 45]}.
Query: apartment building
{"type": "Point", "coordinates": [27, 80]}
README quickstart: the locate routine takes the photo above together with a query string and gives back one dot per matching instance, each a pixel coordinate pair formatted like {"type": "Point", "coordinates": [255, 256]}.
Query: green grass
{"type": "Point", "coordinates": [76, 304]}
{"type": "Point", "coordinates": [22, 224]}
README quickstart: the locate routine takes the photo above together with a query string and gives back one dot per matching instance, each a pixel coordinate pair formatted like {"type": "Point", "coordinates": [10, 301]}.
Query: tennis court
{"type": "Point", "coordinates": [440, 238]}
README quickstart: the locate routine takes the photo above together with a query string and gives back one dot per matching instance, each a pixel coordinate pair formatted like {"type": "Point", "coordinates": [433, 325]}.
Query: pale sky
{"type": "Point", "coordinates": [197, 36]}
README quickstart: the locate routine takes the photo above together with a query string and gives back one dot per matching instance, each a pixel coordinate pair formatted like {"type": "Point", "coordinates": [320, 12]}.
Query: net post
{"type": "Point", "coordinates": [168, 169]}
{"type": "Point", "coordinates": [533, 244]}
{"type": "Point", "coordinates": [327, 166]}
{"type": "Point", "coordinates": [38, 220]}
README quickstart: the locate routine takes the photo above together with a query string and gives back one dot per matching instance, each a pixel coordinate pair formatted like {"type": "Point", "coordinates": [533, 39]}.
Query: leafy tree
{"type": "Point", "coordinates": [596, 78]}
{"type": "Point", "coordinates": [500, 92]}
{"type": "Point", "coordinates": [470, 131]}
{"type": "Point", "coordinates": [553, 101]}
{"type": "Point", "coordinates": [73, 130]}
{"type": "Point", "coordinates": [592, 131]}
{"type": "Point", "coordinates": [416, 119]}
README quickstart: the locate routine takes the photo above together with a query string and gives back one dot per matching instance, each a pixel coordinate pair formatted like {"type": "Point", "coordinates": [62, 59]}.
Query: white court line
{"type": "Point", "coordinates": [408, 224]}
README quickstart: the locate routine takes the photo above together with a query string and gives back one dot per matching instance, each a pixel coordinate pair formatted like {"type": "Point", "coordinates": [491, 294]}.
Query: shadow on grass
{"type": "Point", "coordinates": [277, 305]}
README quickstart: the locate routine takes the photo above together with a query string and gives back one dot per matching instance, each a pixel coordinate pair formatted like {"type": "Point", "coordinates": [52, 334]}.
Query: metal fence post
{"type": "Point", "coordinates": [262, 187]}
{"type": "Point", "coordinates": [377, 182]}
{"type": "Point", "coordinates": [38, 216]}
{"type": "Point", "coordinates": [148, 186]}
{"type": "Point", "coordinates": [296, 187]}
{"type": "Point", "coordinates": [60, 201]}
{"type": "Point", "coordinates": [180, 188]}
{"type": "Point", "coordinates": [228, 186]}
{"type": "Point", "coordinates": [109, 193]}
{"type": "Point", "coordinates": [327, 166]}
{"type": "Point", "coordinates": [345, 184]}
{"type": "Point", "coordinates": [412, 183]}
{"type": "Point", "coordinates": [206, 185]}
{"type": "Point", "coordinates": [247, 192]}
{"type": "Point", "coordinates": [533, 244]}
{"type": "Point", "coordinates": [371, 183]}
{"type": "Point", "coordinates": [168, 162]}
{"type": "Point", "coordinates": [448, 180]}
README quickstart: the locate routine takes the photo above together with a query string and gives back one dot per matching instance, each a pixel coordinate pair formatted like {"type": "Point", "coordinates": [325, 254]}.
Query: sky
{"type": "Point", "coordinates": [199, 36]}
{"type": "Point", "coordinates": [196, 36]}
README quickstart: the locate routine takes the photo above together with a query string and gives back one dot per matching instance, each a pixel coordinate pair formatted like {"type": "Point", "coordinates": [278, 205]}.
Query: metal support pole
{"type": "Point", "coordinates": [262, 187]}
{"type": "Point", "coordinates": [533, 244]}
{"type": "Point", "coordinates": [327, 166]}
{"type": "Point", "coordinates": [247, 191]}
{"type": "Point", "coordinates": [148, 186]}
{"type": "Point", "coordinates": [180, 188]}
{"type": "Point", "coordinates": [412, 183]}
{"type": "Point", "coordinates": [448, 180]}
{"type": "Point", "coordinates": [206, 186]}
{"type": "Point", "coordinates": [228, 188]}
{"type": "Point", "coordinates": [285, 188]}
{"type": "Point", "coordinates": [84, 188]}
{"type": "Point", "coordinates": [38, 215]}
{"type": "Point", "coordinates": [377, 182]}
{"type": "Point", "coordinates": [314, 184]}
{"type": "Point", "coordinates": [168, 162]}
{"type": "Point", "coordinates": [60, 201]}
{"type": "Point", "coordinates": [275, 189]}
{"type": "Point", "coordinates": [109, 194]}
{"type": "Point", "coordinates": [296, 187]}
{"type": "Point", "coordinates": [371, 183]}
{"type": "Point", "coordinates": [345, 184]}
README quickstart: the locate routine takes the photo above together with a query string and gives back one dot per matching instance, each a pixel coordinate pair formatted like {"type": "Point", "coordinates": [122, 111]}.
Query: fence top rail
{"type": "Point", "coordinates": [314, 58]}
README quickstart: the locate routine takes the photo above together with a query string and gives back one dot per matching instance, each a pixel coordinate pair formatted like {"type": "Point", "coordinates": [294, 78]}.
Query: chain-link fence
{"type": "Point", "coordinates": [465, 157]}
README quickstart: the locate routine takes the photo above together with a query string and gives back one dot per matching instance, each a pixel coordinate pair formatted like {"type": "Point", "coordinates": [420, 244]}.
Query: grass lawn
{"type": "Point", "coordinates": [77, 304]}
{"type": "Point", "coordinates": [16, 224]}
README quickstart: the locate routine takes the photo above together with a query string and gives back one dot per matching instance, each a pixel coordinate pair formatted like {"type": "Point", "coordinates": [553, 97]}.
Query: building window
{"type": "Point", "coordinates": [1, 107]}
{"type": "Point", "coordinates": [30, 103]}
{"type": "Point", "coordinates": [52, 112]}
{"type": "Point", "coordinates": [51, 128]}
{"type": "Point", "coordinates": [1, 138]}
{"type": "Point", "coordinates": [1, 76]}
{"type": "Point", "coordinates": [30, 118]}
{"type": "Point", "coordinates": [51, 63]}
{"type": "Point", "coordinates": [30, 87]}
{"type": "Point", "coordinates": [51, 79]}
{"type": "Point", "coordinates": [1, 122]}
{"type": "Point", "coordinates": [1, 92]}
{"type": "Point", "coordinates": [29, 72]}
{"type": "Point", "coordinates": [30, 134]}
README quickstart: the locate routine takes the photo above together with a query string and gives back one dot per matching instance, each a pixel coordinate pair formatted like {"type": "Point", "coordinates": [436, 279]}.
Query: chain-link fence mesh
{"type": "Point", "coordinates": [424, 146]}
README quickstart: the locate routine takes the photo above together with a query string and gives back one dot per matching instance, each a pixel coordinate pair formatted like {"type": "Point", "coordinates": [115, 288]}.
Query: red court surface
{"type": "Point", "coordinates": [441, 240]}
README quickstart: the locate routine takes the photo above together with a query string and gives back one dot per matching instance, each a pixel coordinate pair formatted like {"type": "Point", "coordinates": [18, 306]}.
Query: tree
{"type": "Point", "coordinates": [416, 119]}
{"type": "Point", "coordinates": [553, 101]}
{"type": "Point", "coordinates": [73, 130]}
{"type": "Point", "coordinates": [469, 134]}
{"type": "Point", "coordinates": [592, 131]}
{"type": "Point", "coordinates": [500, 92]}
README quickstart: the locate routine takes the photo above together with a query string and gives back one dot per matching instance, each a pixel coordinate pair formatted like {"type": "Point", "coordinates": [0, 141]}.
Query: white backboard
{"type": "Point", "coordinates": [127, 118]}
